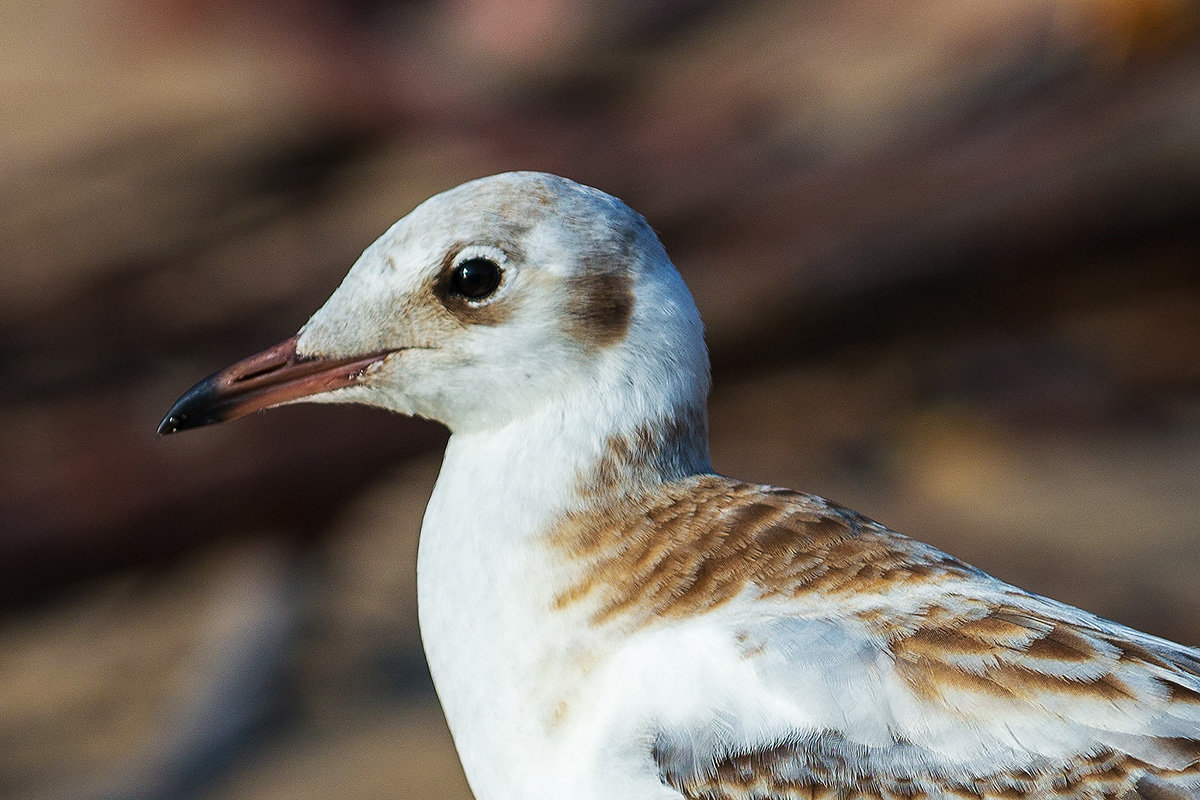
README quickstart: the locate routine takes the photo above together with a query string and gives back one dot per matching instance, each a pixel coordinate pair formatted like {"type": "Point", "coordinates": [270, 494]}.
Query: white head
{"type": "Point", "coordinates": [585, 292]}
{"type": "Point", "coordinates": [484, 304]}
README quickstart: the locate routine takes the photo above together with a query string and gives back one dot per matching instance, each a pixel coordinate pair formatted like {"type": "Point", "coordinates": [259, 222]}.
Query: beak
{"type": "Point", "coordinates": [274, 376]}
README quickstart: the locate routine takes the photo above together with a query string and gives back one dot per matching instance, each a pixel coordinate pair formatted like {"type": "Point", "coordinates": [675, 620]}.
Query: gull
{"type": "Point", "coordinates": [606, 618]}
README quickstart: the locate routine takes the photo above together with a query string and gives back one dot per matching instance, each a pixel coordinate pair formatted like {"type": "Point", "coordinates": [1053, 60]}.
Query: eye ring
{"type": "Point", "coordinates": [475, 278]}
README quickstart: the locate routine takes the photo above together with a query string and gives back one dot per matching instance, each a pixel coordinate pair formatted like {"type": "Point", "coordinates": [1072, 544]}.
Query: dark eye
{"type": "Point", "coordinates": [475, 278]}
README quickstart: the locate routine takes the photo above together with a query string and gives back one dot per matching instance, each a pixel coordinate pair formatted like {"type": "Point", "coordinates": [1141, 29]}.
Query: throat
{"type": "Point", "coordinates": [550, 463]}
{"type": "Point", "coordinates": [500, 492]}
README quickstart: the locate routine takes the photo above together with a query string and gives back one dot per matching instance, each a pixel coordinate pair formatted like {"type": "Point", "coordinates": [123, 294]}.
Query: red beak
{"type": "Point", "coordinates": [276, 375]}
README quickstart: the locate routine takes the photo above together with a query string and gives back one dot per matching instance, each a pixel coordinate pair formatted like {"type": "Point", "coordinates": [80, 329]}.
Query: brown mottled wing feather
{"type": "Point", "coordinates": [772, 775]}
{"type": "Point", "coordinates": [702, 542]}
{"type": "Point", "coordinates": [1151, 787]}
{"type": "Point", "coordinates": [987, 662]}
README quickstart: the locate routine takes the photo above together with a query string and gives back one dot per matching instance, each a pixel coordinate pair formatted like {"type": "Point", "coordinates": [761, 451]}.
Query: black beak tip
{"type": "Point", "coordinates": [195, 408]}
{"type": "Point", "coordinates": [176, 421]}
{"type": "Point", "coordinates": [169, 425]}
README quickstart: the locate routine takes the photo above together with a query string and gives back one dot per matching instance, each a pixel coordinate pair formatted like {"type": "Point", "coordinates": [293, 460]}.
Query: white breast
{"type": "Point", "coordinates": [502, 661]}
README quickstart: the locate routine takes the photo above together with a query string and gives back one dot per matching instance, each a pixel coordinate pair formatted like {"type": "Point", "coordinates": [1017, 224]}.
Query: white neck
{"type": "Point", "coordinates": [486, 581]}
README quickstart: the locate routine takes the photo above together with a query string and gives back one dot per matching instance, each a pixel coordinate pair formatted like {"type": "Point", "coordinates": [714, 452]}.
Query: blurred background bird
{"type": "Point", "coordinates": [947, 255]}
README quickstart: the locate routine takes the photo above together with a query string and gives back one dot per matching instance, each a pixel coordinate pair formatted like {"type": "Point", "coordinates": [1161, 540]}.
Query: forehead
{"type": "Point", "coordinates": [476, 212]}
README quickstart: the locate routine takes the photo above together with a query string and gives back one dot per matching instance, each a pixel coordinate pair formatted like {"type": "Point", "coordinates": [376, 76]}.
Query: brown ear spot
{"type": "Point", "coordinates": [600, 308]}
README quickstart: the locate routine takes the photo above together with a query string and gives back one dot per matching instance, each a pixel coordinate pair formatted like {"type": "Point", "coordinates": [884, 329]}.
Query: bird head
{"type": "Point", "coordinates": [487, 301]}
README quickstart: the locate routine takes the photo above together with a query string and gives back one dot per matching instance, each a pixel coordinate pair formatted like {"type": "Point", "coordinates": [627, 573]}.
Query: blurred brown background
{"type": "Point", "coordinates": [948, 254]}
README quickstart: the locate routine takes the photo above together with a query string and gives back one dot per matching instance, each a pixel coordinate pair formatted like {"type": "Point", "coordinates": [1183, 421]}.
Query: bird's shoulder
{"type": "Point", "coordinates": [693, 545]}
